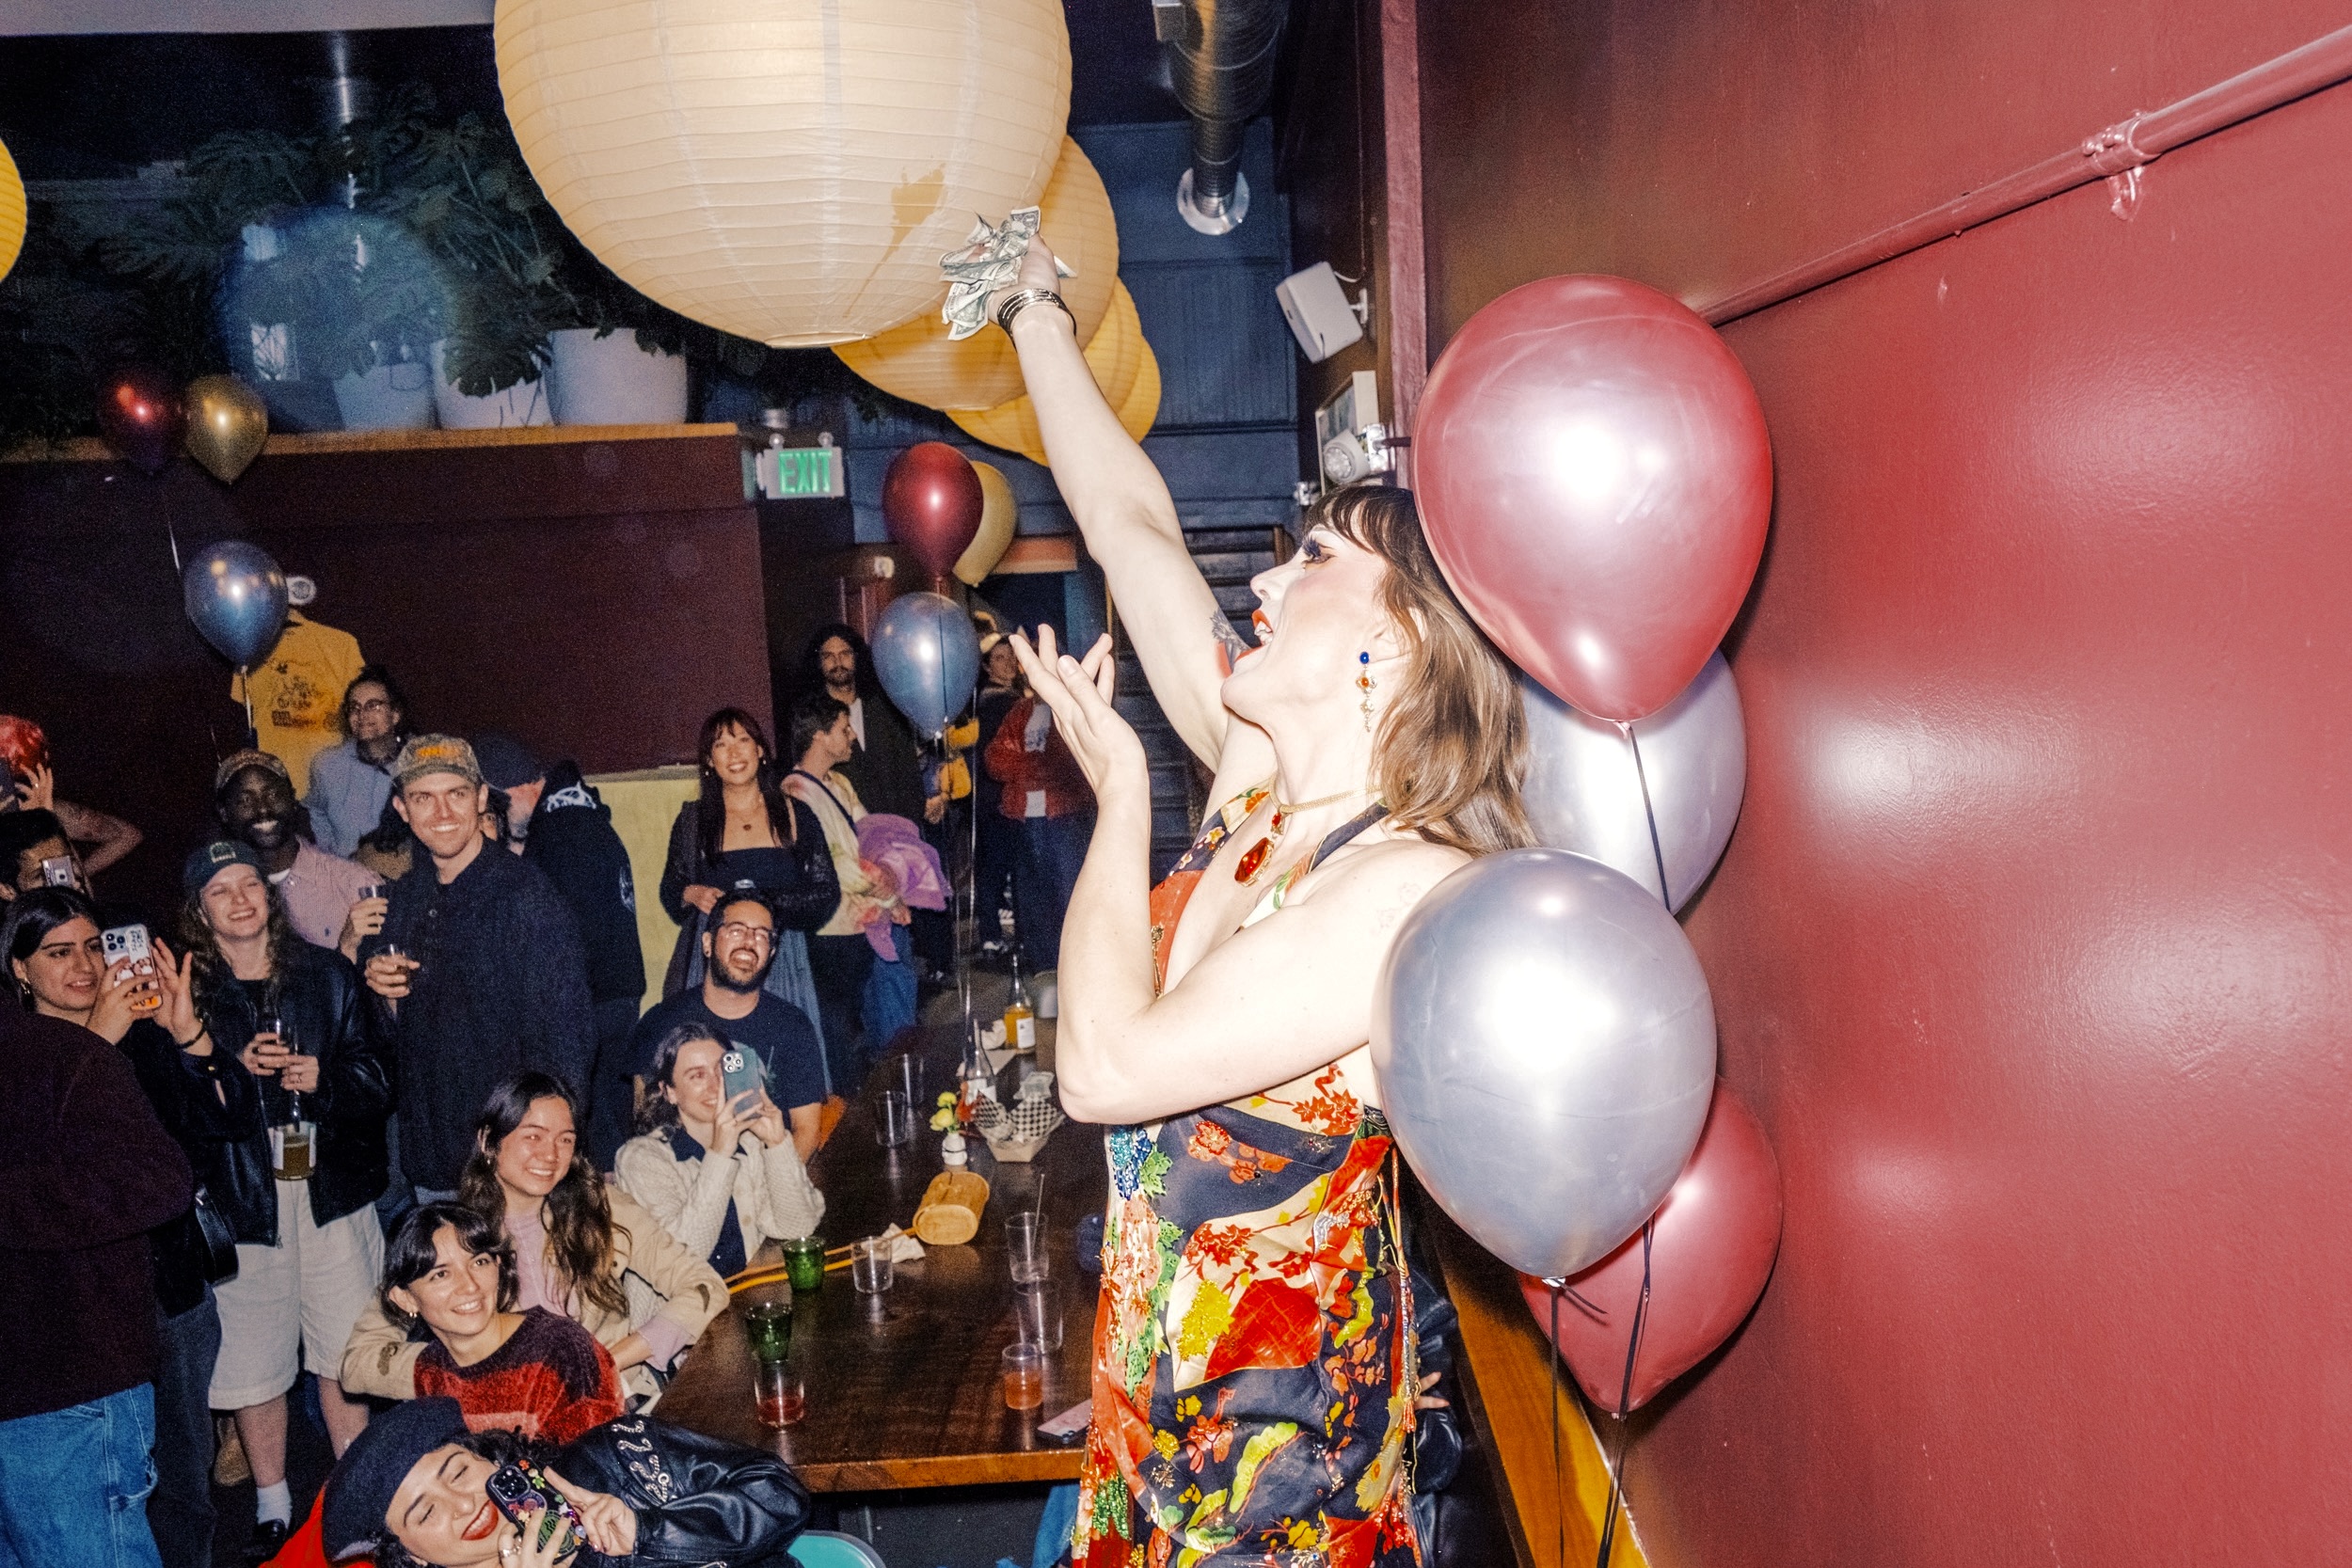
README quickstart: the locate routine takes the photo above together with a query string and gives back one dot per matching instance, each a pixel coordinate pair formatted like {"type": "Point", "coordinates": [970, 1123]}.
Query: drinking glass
{"type": "Point", "coordinates": [895, 1124]}
{"type": "Point", "coordinates": [1024, 1376]}
{"type": "Point", "coordinates": [1024, 1245]}
{"type": "Point", "coordinates": [804, 1261]}
{"type": "Point", "coordinates": [908, 1076]}
{"type": "Point", "coordinates": [781, 1395]}
{"type": "Point", "coordinates": [1036, 1315]}
{"type": "Point", "coordinates": [289, 1140]}
{"type": "Point", "coordinates": [767, 1324]}
{"type": "Point", "coordinates": [873, 1264]}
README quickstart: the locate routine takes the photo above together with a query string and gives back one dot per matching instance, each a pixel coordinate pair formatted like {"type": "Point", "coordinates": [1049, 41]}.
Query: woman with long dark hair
{"type": "Point", "coordinates": [1370, 745]}
{"type": "Point", "coordinates": [308, 1247]}
{"type": "Point", "coordinates": [741, 832]}
{"type": "Point", "coordinates": [582, 1249]}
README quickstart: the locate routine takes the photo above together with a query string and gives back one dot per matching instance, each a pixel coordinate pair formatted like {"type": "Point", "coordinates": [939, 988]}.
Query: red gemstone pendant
{"type": "Point", "coordinates": [1252, 860]}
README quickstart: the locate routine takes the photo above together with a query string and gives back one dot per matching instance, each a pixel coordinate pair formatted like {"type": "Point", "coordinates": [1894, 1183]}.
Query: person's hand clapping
{"type": "Point", "coordinates": [1079, 693]}
{"type": "Point", "coordinates": [611, 1523]}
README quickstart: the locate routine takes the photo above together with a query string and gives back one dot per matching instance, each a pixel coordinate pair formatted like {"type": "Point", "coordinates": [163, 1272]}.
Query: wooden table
{"type": "Point", "coordinates": [917, 1397]}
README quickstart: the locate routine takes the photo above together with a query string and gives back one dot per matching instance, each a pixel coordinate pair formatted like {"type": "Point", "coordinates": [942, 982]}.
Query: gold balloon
{"type": "Point", "coordinates": [12, 212]}
{"type": "Point", "coordinates": [1118, 355]}
{"type": "Point", "coordinates": [999, 513]}
{"type": "Point", "coordinates": [227, 424]}
{"type": "Point", "coordinates": [917, 361]}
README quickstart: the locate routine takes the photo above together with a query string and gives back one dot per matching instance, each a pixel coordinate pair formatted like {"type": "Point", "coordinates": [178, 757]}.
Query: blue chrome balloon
{"type": "Point", "coordinates": [236, 595]}
{"type": "Point", "coordinates": [1546, 1048]}
{"type": "Point", "coordinates": [1582, 792]}
{"type": "Point", "coordinates": [928, 657]}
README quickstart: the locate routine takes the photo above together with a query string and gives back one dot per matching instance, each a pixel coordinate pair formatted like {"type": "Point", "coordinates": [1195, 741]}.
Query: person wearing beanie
{"type": "Point", "coordinates": [558, 823]}
{"type": "Point", "coordinates": [309, 1246]}
{"type": "Point", "coordinates": [478, 972]}
{"type": "Point", "coordinates": [415, 1488]}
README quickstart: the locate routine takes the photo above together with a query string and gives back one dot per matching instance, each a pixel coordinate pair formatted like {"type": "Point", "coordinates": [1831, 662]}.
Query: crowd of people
{"type": "Point", "coordinates": [377, 1104]}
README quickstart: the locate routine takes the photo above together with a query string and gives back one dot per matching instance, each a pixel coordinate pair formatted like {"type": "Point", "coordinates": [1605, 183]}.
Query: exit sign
{"type": "Point", "coordinates": [791, 473]}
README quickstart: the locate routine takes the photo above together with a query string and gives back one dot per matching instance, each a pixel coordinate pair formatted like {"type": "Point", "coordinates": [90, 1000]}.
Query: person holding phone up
{"type": "Point", "coordinates": [301, 1193]}
{"type": "Point", "coordinates": [713, 1158]}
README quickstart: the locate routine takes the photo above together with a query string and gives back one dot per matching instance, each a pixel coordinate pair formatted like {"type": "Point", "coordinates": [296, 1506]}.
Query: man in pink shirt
{"type": "Point", "coordinates": [331, 901]}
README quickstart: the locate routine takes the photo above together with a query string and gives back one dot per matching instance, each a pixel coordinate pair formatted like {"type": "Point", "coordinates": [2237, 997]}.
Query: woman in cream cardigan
{"type": "Point", "coordinates": [590, 1252]}
{"type": "Point", "coordinates": [720, 1207]}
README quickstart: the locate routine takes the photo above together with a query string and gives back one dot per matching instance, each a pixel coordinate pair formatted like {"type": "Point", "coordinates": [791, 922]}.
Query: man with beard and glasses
{"type": "Point", "coordinates": [732, 1004]}
{"type": "Point", "coordinates": [329, 900]}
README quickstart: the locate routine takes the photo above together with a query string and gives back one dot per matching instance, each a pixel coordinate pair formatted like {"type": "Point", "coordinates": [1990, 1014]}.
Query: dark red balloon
{"type": "Point", "coordinates": [1594, 473]}
{"type": "Point", "coordinates": [1711, 1252]}
{"type": "Point", "coordinates": [142, 416]}
{"type": "Point", "coordinates": [931, 501]}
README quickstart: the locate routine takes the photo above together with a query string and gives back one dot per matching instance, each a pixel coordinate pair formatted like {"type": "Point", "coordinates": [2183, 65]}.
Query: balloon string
{"type": "Point", "coordinates": [1558, 1485]}
{"type": "Point", "coordinates": [1625, 1401]}
{"type": "Point", "coordinates": [1655, 849]}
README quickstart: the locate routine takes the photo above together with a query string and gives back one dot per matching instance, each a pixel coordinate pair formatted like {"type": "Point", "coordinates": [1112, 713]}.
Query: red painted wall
{"type": "Point", "coordinates": [2034, 944]}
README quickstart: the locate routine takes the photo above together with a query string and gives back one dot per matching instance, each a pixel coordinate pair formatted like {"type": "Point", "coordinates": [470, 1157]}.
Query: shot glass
{"type": "Point", "coordinates": [874, 1264]}
{"type": "Point", "coordinates": [778, 1391]}
{"type": "Point", "coordinates": [805, 1263]}
{"type": "Point", "coordinates": [768, 1327]}
{"type": "Point", "coordinates": [1025, 1247]}
{"type": "Point", "coordinates": [1037, 1316]}
{"type": "Point", "coordinates": [893, 1122]}
{"type": "Point", "coordinates": [1024, 1376]}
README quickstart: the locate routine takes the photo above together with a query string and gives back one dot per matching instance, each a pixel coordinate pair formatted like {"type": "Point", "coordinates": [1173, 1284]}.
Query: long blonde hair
{"type": "Point", "coordinates": [1452, 747]}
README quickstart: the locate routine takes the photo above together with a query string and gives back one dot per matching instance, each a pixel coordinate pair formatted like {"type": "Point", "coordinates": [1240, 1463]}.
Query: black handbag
{"type": "Point", "coordinates": [196, 1250]}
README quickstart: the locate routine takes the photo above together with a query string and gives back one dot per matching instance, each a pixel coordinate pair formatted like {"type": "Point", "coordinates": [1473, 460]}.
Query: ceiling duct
{"type": "Point", "coordinates": [1220, 61]}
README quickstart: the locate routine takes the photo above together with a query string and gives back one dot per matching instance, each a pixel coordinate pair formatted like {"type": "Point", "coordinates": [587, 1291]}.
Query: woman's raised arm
{"type": "Point", "coordinates": [1186, 642]}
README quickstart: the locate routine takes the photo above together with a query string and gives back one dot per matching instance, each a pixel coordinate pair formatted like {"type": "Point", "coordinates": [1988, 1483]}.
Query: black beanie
{"type": "Point", "coordinates": [359, 1492]}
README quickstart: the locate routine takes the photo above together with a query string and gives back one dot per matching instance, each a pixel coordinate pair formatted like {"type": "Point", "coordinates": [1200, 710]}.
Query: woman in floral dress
{"type": "Point", "coordinates": [1254, 1362]}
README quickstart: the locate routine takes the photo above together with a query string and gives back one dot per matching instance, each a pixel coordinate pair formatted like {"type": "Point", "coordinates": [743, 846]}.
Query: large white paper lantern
{"type": "Point", "coordinates": [790, 170]}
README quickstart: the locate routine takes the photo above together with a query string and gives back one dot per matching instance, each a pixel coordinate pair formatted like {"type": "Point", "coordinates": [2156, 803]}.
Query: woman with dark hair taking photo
{"type": "Point", "coordinates": [583, 1250]}
{"type": "Point", "coordinates": [420, 1489]}
{"type": "Point", "coordinates": [300, 1189]}
{"type": "Point", "coordinates": [744, 833]}
{"type": "Point", "coordinates": [1370, 745]}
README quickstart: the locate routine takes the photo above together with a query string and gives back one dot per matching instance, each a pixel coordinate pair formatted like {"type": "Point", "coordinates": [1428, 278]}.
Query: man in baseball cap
{"type": "Point", "coordinates": [479, 970]}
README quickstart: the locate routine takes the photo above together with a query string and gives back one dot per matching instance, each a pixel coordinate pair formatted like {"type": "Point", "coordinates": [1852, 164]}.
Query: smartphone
{"type": "Point", "coordinates": [131, 942]}
{"type": "Point", "coordinates": [514, 1488]}
{"type": "Point", "coordinates": [740, 1073]}
{"type": "Point", "coordinates": [60, 871]}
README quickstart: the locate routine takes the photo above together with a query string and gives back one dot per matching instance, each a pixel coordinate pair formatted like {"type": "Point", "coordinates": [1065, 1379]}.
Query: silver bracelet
{"type": "Point", "coordinates": [1021, 299]}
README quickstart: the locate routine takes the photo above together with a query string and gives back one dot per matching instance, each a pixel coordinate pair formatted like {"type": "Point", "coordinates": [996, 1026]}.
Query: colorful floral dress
{"type": "Point", "coordinates": [1253, 1348]}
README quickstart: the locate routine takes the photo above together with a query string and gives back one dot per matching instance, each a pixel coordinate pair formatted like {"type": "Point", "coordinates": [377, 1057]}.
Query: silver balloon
{"type": "Point", "coordinates": [927, 657]}
{"type": "Point", "coordinates": [1582, 792]}
{"type": "Point", "coordinates": [1546, 1048]}
{"type": "Point", "coordinates": [236, 595]}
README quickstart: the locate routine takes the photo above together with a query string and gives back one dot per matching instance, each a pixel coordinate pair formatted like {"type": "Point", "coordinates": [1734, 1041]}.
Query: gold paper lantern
{"type": "Point", "coordinates": [999, 514]}
{"type": "Point", "coordinates": [918, 361]}
{"type": "Point", "coordinates": [1118, 357]}
{"type": "Point", "coordinates": [790, 170]}
{"type": "Point", "coordinates": [12, 212]}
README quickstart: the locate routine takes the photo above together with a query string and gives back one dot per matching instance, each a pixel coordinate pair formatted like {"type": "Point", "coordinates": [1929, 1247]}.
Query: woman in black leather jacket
{"type": "Point", "coordinates": [308, 1247]}
{"type": "Point", "coordinates": [415, 1489]}
{"type": "Point", "coordinates": [743, 831]}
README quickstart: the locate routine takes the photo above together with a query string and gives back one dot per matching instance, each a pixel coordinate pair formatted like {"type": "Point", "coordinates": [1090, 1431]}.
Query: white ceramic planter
{"type": "Point", "coordinates": [397, 396]}
{"type": "Point", "coordinates": [526, 402]}
{"type": "Point", "coordinates": [609, 380]}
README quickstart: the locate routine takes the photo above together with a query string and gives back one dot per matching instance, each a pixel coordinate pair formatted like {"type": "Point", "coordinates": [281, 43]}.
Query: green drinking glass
{"type": "Point", "coordinates": [767, 1324]}
{"type": "Point", "coordinates": [804, 1261]}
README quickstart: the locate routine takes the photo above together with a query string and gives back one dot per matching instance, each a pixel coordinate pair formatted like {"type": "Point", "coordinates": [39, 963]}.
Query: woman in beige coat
{"type": "Point", "coordinates": [590, 1252]}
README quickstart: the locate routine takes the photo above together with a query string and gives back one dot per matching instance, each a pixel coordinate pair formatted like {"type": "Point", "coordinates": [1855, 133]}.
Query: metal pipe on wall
{"type": "Point", "coordinates": [1220, 63]}
{"type": "Point", "coordinates": [2116, 153]}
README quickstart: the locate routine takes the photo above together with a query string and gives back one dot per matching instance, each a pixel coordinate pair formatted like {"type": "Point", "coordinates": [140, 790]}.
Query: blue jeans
{"type": "Point", "coordinates": [73, 1485]}
{"type": "Point", "coordinates": [181, 1508]}
{"type": "Point", "coordinates": [1053, 849]}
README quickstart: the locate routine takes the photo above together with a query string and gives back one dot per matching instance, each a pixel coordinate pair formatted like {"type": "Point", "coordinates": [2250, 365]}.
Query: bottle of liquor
{"type": "Point", "coordinates": [1019, 1023]}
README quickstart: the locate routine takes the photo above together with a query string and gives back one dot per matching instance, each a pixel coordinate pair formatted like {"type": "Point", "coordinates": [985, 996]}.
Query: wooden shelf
{"type": "Point", "coordinates": [86, 449]}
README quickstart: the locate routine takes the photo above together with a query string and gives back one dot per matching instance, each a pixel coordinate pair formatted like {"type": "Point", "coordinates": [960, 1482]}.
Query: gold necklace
{"type": "Point", "coordinates": [1253, 860]}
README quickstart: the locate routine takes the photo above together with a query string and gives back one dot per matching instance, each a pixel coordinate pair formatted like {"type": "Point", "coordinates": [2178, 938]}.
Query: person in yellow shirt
{"type": "Point", "coordinates": [297, 691]}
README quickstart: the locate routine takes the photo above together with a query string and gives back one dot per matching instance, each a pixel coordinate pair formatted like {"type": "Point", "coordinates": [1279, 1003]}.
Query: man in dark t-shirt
{"type": "Point", "coordinates": [738, 950]}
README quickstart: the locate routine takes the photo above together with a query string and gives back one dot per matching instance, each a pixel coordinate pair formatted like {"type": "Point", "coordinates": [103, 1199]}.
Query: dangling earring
{"type": "Point", "coordinates": [1364, 684]}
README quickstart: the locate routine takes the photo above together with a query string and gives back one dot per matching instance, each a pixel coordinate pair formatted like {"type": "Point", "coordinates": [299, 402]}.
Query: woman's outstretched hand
{"type": "Point", "coordinates": [1079, 693]}
{"type": "Point", "coordinates": [1037, 272]}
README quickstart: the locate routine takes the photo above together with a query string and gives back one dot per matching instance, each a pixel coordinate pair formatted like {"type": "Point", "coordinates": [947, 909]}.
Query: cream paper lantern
{"type": "Point", "coordinates": [788, 170]}
{"type": "Point", "coordinates": [1124, 367]}
{"type": "Point", "coordinates": [919, 362]}
{"type": "Point", "coordinates": [1000, 514]}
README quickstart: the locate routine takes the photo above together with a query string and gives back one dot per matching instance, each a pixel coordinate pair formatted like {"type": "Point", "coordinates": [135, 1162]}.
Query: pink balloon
{"type": "Point", "coordinates": [1594, 473]}
{"type": "Point", "coordinates": [1711, 1252]}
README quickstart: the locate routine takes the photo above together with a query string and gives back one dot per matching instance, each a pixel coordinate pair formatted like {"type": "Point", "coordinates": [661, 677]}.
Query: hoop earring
{"type": "Point", "coordinates": [1364, 684]}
